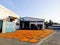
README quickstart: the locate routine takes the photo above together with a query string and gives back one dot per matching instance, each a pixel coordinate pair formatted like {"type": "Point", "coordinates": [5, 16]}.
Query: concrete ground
{"type": "Point", "coordinates": [53, 40]}
{"type": "Point", "coordinates": [5, 41]}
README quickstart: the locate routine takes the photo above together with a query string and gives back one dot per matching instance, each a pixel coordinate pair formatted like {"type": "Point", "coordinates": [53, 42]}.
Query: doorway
{"type": "Point", "coordinates": [26, 25]}
{"type": "Point", "coordinates": [40, 26]}
{"type": "Point", "coordinates": [33, 26]}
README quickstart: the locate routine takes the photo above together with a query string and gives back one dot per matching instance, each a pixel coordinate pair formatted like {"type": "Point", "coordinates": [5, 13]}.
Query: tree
{"type": "Point", "coordinates": [46, 24]}
{"type": "Point", "coordinates": [50, 23]}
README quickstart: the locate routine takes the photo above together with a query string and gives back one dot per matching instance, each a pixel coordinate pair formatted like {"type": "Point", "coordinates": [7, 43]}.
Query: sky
{"type": "Point", "coordinates": [45, 9]}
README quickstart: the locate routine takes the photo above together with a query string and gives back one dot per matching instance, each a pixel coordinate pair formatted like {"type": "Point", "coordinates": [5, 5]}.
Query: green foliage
{"type": "Point", "coordinates": [48, 23]}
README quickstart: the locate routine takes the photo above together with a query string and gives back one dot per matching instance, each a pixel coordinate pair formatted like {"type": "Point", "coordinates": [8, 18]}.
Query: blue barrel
{"type": "Point", "coordinates": [1, 22]}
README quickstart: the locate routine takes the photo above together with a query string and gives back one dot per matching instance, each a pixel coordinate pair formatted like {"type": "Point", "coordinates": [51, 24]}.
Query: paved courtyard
{"type": "Point", "coordinates": [53, 40]}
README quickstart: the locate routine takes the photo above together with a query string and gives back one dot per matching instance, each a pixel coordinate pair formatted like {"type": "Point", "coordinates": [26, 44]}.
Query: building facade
{"type": "Point", "coordinates": [31, 23]}
{"type": "Point", "coordinates": [55, 26]}
{"type": "Point", "coordinates": [8, 16]}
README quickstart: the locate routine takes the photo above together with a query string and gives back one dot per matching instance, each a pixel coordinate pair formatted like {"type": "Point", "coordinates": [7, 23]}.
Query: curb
{"type": "Point", "coordinates": [45, 38]}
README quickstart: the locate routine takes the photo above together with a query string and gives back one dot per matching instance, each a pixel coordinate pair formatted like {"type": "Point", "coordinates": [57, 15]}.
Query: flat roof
{"type": "Point", "coordinates": [31, 19]}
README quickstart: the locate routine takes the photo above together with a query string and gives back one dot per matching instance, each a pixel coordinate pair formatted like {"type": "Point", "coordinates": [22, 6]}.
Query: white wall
{"type": "Point", "coordinates": [36, 22]}
{"type": "Point", "coordinates": [17, 21]}
{"type": "Point", "coordinates": [4, 12]}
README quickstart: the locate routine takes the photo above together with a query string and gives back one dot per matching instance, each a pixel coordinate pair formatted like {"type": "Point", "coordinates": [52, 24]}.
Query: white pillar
{"type": "Point", "coordinates": [23, 25]}
{"type": "Point", "coordinates": [43, 26]}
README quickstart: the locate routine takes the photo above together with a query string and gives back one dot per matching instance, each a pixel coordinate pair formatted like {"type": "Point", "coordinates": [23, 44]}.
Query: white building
{"type": "Point", "coordinates": [55, 26]}
{"type": "Point", "coordinates": [26, 22]}
{"type": "Point", "coordinates": [32, 23]}
{"type": "Point", "coordinates": [7, 15]}
{"type": "Point", "coordinates": [4, 13]}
